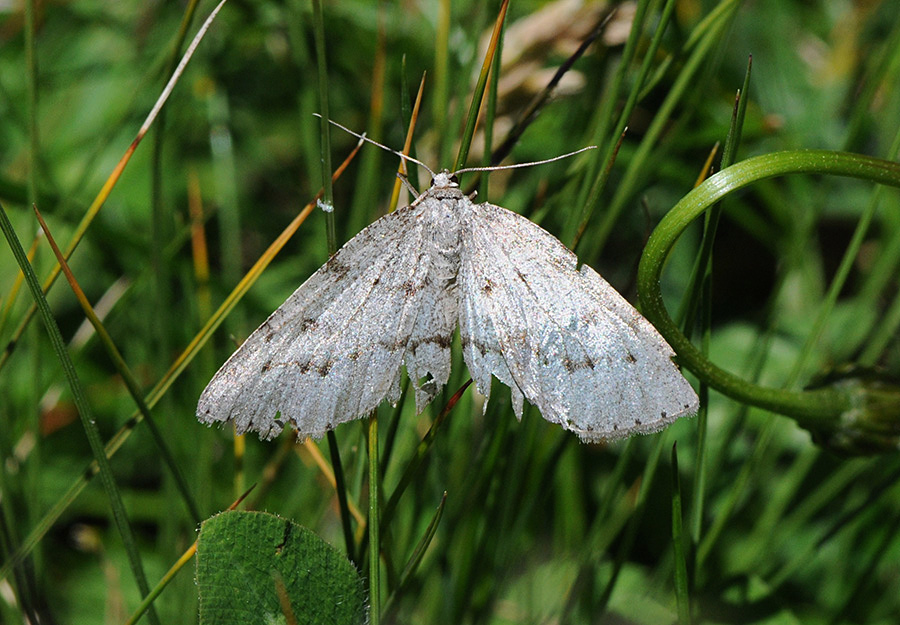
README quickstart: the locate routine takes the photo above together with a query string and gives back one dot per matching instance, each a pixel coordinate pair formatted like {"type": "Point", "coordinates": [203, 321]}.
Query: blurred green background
{"type": "Point", "coordinates": [537, 528]}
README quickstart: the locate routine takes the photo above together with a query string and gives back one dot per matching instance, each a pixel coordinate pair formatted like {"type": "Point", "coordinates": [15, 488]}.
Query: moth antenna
{"type": "Point", "coordinates": [382, 146]}
{"type": "Point", "coordinates": [529, 164]}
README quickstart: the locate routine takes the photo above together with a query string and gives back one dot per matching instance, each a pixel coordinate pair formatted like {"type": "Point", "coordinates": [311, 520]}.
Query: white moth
{"type": "Point", "coordinates": [393, 296]}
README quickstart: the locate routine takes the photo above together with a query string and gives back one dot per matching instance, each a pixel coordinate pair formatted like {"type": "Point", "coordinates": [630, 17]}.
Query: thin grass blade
{"type": "Point", "coordinates": [120, 516]}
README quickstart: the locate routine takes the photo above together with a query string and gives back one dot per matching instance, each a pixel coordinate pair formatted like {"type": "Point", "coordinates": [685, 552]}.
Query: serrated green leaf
{"type": "Point", "coordinates": [246, 559]}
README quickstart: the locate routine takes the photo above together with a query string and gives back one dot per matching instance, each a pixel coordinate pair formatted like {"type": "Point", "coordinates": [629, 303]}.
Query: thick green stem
{"type": "Point", "coordinates": [815, 408]}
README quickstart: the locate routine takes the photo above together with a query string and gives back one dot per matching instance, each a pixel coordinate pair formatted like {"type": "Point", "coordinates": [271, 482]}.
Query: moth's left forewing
{"type": "Point", "coordinates": [334, 350]}
{"type": "Point", "coordinates": [565, 339]}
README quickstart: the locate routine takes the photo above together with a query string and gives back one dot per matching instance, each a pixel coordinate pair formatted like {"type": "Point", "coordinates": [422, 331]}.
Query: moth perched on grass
{"type": "Point", "coordinates": [393, 296]}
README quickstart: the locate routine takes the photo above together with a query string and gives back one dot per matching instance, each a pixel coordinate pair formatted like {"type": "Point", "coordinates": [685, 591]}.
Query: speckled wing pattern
{"type": "Point", "coordinates": [560, 337]}
{"type": "Point", "coordinates": [333, 351]}
{"type": "Point", "coordinates": [563, 338]}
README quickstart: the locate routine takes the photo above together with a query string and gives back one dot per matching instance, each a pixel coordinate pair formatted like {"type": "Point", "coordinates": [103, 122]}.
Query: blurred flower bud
{"type": "Point", "coordinates": [871, 425]}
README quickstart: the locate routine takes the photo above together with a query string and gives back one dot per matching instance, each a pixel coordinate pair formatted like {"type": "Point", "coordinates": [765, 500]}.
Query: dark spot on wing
{"type": "Point", "coordinates": [354, 355]}
{"type": "Point", "coordinates": [337, 268]}
{"type": "Point", "coordinates": [488, 287]}
{"type": "Point", "coordinates": [663, 413]}
{"type": "Point", "coordinates": [337, 265]}
{"type": "Point", "coordinates": [440, 341]}
{"type": "Point", "coordinates": [630, 357]}
{"type": "Point", "coordinates": [590, 317]}
{"type": "Point", "coordinates": [409, 288]}
{"type": "Point", "coordinates": [307, 324]}
{"type": "Point", "coordinates": [521, 275]}
{"type": "Point", "coordinates": [266, 367]}
{"type": "Point", "coordinates": [393, 346]}
{"type": "Point", "coordinates": [324, 368]}
{"type": "Point", "coordinates": [574, 365]}
{"type": "Point", "coordinates": [637, 422]}
{"type": "Point", "coordinates": [467, 340]}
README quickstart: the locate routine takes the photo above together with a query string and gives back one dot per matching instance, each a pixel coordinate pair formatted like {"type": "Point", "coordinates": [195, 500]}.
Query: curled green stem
{"type": "Point", "coordinates": [820, 409]}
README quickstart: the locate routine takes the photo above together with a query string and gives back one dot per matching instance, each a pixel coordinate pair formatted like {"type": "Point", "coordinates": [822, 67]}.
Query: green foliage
{"type": "Point", "coordinates": [252, 565]}
{"type": "Point", "coordinates": [536, 527]}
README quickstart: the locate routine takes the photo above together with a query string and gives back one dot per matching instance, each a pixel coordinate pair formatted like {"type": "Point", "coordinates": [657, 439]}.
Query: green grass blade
{"type": "Point", "coordinates": [84, 410]}
{"type": "Point", "coordinates": [418, 553]}
{"type": "Point", "coordinates": [682, 87]}
{"type": "Point", "coordinates": [701, 290]}
{"type": "Point", "coordinates": [324, 126]}
{"type": "Point", "coordinates": [441, 75]}
{"type": "Point", "coordinates": [682, 594]}
{"type": "Point", "coordinates": [331, 236]}
{"type": "Point", "coordinates": [634, 521]}
{"type": "Point", "coordinates": [591, 200]}
{"type": "Point", "coordinates": [478, 93]}
{"type": "Point", "coordinates": [131, 382]}
{"type": "Point", "coordinates": [160, 389]}
{"type": "Point", "coordinates": [374, 524]}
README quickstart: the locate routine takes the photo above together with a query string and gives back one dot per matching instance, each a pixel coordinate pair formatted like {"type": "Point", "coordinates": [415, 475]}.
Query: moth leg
{"type": "Point", "coordinates": [403, 178]}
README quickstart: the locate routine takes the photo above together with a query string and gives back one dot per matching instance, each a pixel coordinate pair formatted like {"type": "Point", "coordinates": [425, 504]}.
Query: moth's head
{"type": "Point", "coordinates": [445, 180]}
